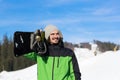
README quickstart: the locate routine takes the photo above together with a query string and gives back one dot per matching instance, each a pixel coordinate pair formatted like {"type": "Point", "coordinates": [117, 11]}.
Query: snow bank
{"type": "Point", "coordinates": [29, 73]}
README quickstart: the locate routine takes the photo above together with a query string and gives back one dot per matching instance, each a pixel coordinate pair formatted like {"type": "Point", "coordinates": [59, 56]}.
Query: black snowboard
{"type": "Point", "coordinates": [22, 43]}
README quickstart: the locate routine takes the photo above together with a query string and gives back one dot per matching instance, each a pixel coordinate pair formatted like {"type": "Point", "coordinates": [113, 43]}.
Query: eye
{"type": "Point", "coordinates": [57, 33]}
{"type": "Point", "coordinates": [52, 34]}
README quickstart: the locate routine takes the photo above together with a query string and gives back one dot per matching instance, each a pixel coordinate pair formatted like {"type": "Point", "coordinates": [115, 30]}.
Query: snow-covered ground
{"type": "Point", "coordinates": [104, 66]}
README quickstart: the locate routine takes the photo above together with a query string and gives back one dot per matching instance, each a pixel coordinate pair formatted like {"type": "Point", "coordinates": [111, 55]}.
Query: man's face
{"type": "Point", "coordinates": [54, 37]}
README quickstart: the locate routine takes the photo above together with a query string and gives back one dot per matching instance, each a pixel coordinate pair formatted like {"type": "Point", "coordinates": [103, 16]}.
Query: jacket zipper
{"type": "Point", "coordinates": [53, 69]}
{"type": "Point", "coordinates": [58, 62]}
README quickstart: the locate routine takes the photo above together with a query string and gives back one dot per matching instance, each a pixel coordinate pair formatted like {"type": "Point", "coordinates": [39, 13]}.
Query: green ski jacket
{"type": "Point", "coordinates": [59, 63]}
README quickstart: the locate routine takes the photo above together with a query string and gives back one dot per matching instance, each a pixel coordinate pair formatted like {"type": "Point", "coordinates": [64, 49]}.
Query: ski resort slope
{"type": "Point", "coordinates": [105, 66]}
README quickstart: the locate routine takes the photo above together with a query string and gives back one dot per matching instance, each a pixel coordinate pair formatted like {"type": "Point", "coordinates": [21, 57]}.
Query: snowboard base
{"type": "Point", "coordinates": [22, 43]}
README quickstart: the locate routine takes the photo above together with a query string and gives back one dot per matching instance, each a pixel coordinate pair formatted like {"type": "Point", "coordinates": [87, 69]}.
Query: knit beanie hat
{"type": "Point", "coordinates": [49, 28]}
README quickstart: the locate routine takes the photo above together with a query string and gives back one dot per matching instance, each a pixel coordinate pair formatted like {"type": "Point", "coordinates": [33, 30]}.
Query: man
{"type": "Point", "coordinates": [58, 63]}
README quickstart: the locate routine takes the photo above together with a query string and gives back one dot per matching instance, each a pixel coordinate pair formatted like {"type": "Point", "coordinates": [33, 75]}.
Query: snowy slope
{"type": "Point", "coordinates": [101, 67]}
{"type": "Point", "coordinates": [29, 73]}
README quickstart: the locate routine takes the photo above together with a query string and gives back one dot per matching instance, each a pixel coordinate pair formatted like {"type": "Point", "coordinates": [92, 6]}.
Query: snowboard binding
{"type": "Point", "coordinates": [38, 42]}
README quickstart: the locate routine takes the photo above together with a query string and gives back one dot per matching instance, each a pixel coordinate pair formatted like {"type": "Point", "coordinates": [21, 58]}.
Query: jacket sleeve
{"type": "Point", "coordinates": [75, 68]}
{"type": "Point", "coordinates": [31, 55]}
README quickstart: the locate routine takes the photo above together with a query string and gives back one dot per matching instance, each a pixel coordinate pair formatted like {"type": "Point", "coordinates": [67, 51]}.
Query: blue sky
{"type": "Point", "coordinates": [78, 20]}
